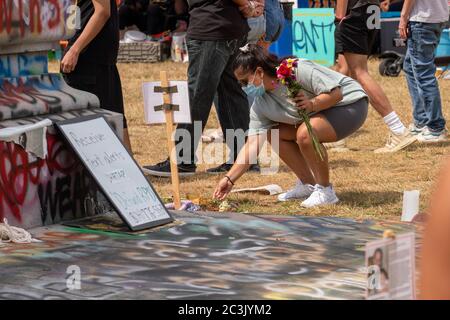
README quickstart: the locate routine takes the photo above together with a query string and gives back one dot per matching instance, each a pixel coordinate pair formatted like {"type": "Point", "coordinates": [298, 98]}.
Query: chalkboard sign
{"type": "Point", "coordinates": [116, 172]}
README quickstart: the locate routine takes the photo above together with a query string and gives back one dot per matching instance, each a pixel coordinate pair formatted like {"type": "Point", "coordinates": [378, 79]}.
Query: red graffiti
{"type": "Point", "coordinates": [7, 9]}
{"type": "Point", "coordinates": [6, 14]}
{"type": "Point", "coordinates": [12, 95]}
{"type": "Point", "coordinates": [17, 173]}
{"type": "Point", "coordinates": [35, 15]}
{"type": "Point", "coordinates": [35, 6]}
{"type": "Point", "coordinates": [52, 23]}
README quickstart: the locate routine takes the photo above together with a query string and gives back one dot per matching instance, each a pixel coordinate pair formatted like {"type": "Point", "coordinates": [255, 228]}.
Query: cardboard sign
{"type": "Point", "coordinates": [116, 172]}
{"type": "Point", "coordinates": [391, 271]}
{"type": "Point", "coordinates": [313, 35]}
{"type": "Point", "coordinates": [179, 99]}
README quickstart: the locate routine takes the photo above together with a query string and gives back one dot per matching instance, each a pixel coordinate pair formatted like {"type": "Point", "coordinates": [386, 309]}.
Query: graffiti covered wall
{"type": "Point", "coordinates": [35, 191]}
{"type": "Point", "coordinates": [313, 35]}
{"type": "Point", "coordinates": [41, 94]}
{"type": "Point", "coordinates": [36, 21]}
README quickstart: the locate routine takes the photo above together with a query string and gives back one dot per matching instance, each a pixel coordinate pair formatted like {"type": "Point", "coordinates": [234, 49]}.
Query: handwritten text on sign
{"type": "Point", "coordinates": [313, 35]}
{"type": "Point", "coordinates": [116, 172]}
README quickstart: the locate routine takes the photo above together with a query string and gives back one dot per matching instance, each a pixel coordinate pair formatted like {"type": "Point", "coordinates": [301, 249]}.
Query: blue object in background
{"type": "Point", "coordinates": [313, 35]}
{"type": "Point", "coordinates": [283, 46]}
{"type": "Point", "coordinates": [390, 14]}
{"type": "Point", "coordinates": [303, 4]}
{"type": "Point", "coordinates": [443, 50]}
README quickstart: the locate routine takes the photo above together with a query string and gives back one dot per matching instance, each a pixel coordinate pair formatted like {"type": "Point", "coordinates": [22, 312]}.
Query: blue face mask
{"type": "Point", "coordinates": [253, 91]}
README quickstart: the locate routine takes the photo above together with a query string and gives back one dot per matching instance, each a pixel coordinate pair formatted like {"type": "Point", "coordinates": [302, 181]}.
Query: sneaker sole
{"type": "Point", "coordinates": [432, 141]}
{"type": "Point", "coordinates": [293, 199]}
{"type": "Point", "coordinates": [399, 147]}
{"type": "Point", "coordinates": [321, 205]}
{"type": "Point", "coordinates": [165, 174]}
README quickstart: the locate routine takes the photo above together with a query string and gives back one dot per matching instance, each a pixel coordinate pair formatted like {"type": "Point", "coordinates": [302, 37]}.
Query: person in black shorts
{"type": "Point", "coordinates": [356, 34]}
{"type": "Point", "coordinates": [89, 61]}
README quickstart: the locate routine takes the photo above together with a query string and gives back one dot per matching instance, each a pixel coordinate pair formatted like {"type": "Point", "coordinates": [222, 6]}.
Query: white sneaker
{"type": "Point", "coordinates": [415, 130]}
{"type": "Point", "coordinates": [300, 191]}
{"type": "Point", "coordinates": [397, 142]}
{"type": "Point", "coordinates": [338, 146]}
{"type": "Point", "coordinates": [321, 196]}
{"type": "Point", "coordinates": [429, 136]}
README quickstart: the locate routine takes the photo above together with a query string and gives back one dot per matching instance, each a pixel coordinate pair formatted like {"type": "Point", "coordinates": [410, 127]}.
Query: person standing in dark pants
{"type": "Point", "coordinates": [89, 61]}
{"type": "Point", "coordinates": [217, 29]}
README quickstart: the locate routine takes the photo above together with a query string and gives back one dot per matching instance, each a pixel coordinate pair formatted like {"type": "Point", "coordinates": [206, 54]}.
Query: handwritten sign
{"type": "Point", "coordinates": [313, 35]}
{"type": "Point", "coordinates": [152, 99]}
{"type": "Point", "coordinates": [116, 172]}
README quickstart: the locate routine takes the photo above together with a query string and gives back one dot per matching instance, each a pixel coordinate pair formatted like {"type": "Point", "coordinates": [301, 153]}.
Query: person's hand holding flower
{"type": "Point", "coordinates": [303, 103]}
{"type": "Point", "coordinates": [286, 74]}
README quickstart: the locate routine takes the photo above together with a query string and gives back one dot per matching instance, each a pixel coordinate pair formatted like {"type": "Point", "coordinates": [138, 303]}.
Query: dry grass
{"type": "Point", "coordinates": [368, 185]}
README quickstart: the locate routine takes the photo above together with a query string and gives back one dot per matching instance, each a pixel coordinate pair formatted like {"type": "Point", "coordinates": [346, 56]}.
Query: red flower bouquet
{"type": "Point", "coordinates": [286, 76]}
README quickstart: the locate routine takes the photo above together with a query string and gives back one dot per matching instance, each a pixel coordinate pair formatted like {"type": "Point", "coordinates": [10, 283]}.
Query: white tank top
{"type": "Point", "coordinates": [430, 11]}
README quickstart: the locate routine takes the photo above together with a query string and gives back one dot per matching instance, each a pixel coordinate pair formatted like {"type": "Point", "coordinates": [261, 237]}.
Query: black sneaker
{"type": "Point", "coordinates": [225, 167]}
{"type": "Point", "coordinates": [255, 168]}
{"type": "Point", "coordinates": [162, 169]}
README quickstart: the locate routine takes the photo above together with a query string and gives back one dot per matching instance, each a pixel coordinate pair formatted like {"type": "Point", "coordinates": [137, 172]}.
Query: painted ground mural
{"type": "Point", "coordinates": [207, 256]}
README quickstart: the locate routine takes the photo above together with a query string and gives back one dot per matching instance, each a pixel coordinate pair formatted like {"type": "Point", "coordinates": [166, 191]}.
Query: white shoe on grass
{"type": "Point", "coordinates": [300, 191]}
{"type": "Point", "coordinates": [338, 146]}
{"type": "Point", "coordinates": [320, 197]}
{"type": "Point", "coordinates": [428, 136]}
{"type": "Point", "coordinates": [415, 130]}
{"type": "Point", "coordinates": [397, 142]}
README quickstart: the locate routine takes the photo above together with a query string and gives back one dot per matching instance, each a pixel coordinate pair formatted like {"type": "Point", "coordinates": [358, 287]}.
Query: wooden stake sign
{"type": "Point", "coordinates": [168, 111]}
{"type": "Point", "coordinates": [167, 102]}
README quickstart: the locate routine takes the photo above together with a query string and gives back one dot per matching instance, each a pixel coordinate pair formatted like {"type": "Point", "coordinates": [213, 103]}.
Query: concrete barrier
{"type": "Point", "coordinates": [34, 191]}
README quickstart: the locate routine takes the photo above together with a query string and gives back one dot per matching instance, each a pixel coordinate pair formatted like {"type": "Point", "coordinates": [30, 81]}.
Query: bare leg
{"type": "Point", "coordinates": [357, 64]}
{"type": "Point", "coordinates": [290, 153]}
{"type": "Point", "coordinates": [325, 133]}
{"type": "Point", "coordinates": [341, 66]}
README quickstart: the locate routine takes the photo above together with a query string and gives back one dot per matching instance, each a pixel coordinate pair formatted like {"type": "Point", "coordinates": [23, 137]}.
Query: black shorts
{"type": "Point", "coordinates": [103, 81]}
{"type": "Point", "coordinates": [337, 41]}
{"type": "Point", "coordinates": [353, 34]}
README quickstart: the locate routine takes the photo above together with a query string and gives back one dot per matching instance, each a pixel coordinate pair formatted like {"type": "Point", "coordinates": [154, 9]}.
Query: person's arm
{"type": "Point", "coordinates": [246, 157]}
{"type": "Point", "coordinates": [385, 5]}
{"type": "Point", "coordinates": [435, 265]}
{"type": "Point", "coordinates": [321, 102]}
{"type": "Point", "coordinates": [404, 19]}
{"type": "Point", "coordinates": [102, 12]}
{"type": "Point", "coordinates": [341, 9]}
